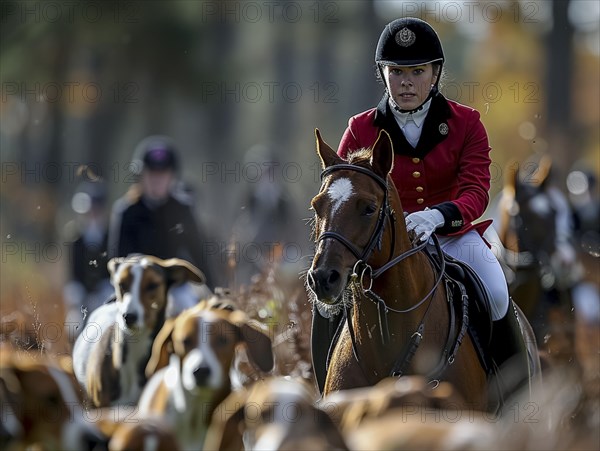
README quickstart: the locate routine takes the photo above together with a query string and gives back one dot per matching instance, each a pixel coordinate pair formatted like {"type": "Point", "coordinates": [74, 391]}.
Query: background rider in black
{"type": "Point", "coordinates": [155, 216]}
{"type": "Point", "coordinates": [88, 285]}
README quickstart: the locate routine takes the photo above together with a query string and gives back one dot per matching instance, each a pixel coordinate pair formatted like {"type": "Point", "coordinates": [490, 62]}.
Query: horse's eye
{"type": "Point", "coordinates": [369, 210]}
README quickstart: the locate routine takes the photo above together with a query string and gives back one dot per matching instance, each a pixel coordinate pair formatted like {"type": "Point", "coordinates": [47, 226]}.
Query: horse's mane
{"type": "Point", "coordinates": [360, 157]}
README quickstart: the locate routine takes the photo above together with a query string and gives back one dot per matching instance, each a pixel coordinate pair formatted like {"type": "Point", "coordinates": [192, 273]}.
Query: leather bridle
{"type": "Point", "coordinates": [385, 212]}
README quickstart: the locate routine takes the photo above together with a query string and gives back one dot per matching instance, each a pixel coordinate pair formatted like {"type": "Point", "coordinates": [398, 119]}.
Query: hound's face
{"type": "Point", "coordinates": [141, 288]}
{"type": "Point", "coordinates": [279, 413]}
{"type": "Point", "coordinates": [205, 345]}
{"type": "Point", "coordinates": [43, 408]}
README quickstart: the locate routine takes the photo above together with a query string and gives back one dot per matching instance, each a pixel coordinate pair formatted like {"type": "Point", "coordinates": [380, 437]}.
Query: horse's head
{"type": "Point", "coordinates": [350, 213]}
{"type": "Point", "coordinates": [532, 213]}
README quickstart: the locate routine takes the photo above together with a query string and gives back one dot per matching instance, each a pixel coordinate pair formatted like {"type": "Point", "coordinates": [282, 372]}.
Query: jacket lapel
{"type": "Point", "coordinates": [435, 127]}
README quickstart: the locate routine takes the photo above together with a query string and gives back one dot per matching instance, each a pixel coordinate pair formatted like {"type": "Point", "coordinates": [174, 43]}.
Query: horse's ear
{"type": "Point", "coordinates": [382, 159]}
{"type": "Point", "coordinates": [544, 167]}
{"type": "Point", "coordinates": [511, 174]}
{"type": "Point", "coordinates": [326, 153]}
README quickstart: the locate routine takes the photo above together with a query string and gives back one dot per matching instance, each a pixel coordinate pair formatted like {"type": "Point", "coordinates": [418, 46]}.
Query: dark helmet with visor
{"type": "Point", "coordinates": [408, 42]}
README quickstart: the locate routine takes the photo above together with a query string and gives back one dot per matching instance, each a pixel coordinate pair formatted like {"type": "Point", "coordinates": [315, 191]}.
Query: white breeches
{"type": "Point", "coordinates": [472, 250]}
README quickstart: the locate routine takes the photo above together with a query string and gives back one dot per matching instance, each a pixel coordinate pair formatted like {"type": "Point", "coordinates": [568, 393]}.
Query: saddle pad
{"type": "Point", "coordinates": [480, 317]}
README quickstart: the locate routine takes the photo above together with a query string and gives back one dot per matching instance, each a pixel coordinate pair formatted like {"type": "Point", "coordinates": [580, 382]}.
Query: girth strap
{"type": "Point", "coordinates": [409, 352]}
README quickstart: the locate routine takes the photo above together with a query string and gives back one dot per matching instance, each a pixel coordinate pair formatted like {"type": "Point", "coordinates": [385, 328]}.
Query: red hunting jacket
{"type": "Point", "coordinates": [449, 170]}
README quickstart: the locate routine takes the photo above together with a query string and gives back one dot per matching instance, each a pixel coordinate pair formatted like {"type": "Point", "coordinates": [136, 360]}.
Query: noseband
{"type": "Point", "coordinates": [384, 212]}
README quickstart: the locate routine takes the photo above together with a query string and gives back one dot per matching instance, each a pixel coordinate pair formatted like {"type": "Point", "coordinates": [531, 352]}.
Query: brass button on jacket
{"type": "Point", "coordinates": [420, 200]}
{"type": "Point", "coordinates": [419, 189]}
{"type": "Point", "coordinates": [416, 160]}
{"type": "Point", "coordinates": [416, 174]}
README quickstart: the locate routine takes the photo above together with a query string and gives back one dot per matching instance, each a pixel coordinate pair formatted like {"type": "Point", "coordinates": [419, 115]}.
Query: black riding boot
{"type": "Point", "coordinates": [509, 355]}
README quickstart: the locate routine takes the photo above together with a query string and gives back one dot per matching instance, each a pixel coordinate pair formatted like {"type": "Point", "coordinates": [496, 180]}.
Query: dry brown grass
{"type": "Point", "coordinates": [32, 310]}
{"type": "Point", "coordinates": [567, 413]}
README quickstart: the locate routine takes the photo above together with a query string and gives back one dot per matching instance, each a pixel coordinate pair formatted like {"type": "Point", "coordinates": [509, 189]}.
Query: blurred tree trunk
{"type": "Point", "coordinates": [283, 116]}
{"type": "Point", "coordinates": [370, 30]}
{"type": "Point", "coordinates": [56, 190]}
{"type": "Point", "coordinates": [559, 69]}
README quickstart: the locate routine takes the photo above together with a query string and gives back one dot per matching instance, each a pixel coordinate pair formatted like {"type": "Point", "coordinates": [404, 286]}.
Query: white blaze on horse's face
{"type": "Point", "coordinates": [339, 192]}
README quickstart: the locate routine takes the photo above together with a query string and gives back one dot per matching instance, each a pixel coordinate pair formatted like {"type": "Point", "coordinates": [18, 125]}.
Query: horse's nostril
{"type": "Point", "coordinates": [324, 282]}
{"type": "Point", "coordinates": [334, 276]}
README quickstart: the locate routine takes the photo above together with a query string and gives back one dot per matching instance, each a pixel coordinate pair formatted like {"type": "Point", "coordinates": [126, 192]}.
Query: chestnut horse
{"type": "Point", "coordinates": [365, 264]}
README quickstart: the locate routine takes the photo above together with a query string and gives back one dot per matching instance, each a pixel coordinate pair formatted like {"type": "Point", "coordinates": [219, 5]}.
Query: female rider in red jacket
{"type": "Point", "coordinates": [441, 162]}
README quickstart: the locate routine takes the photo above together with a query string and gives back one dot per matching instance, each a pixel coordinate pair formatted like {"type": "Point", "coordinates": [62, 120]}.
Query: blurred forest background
{"type": "Point", "coordinates": [240, 86]}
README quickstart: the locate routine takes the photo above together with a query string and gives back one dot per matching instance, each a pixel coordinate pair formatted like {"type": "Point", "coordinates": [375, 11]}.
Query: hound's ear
{"type": "Point", "coordinates": [162, 347]}
{"type": "Point", "coordinates": [226, 427]}
{"type": "Point", "coordinates": [113, 264]}
{"type": "Point", "coordinates": [65, 363]}
{"type": "Point", "coordinates": [180, 271]}
{"type": "Point", "coordinates": [259, 345]}
{"type": "Point", "coordinates": [326, 153]}
{"type": "Point", "coordinates": [382, 159]}
{"type": "Point", "coordinates": [354, 414]}
{"type": "Point", "coordinates": [335, 439]}
{"type": "Point", "coordinates": [10, 385]}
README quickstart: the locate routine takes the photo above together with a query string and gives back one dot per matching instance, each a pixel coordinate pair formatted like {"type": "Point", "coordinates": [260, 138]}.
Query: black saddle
{"type": "Point", "coordinates": [463, 277]}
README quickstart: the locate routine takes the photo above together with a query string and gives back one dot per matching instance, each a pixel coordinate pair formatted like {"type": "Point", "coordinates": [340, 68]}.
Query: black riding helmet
{"type": "Point", "coordinates": [409, 42]}
{"type": "Point", "coordinates": [155, 152]}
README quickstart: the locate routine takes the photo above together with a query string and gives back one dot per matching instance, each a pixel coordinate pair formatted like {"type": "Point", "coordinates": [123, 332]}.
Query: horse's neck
{"type": "Point", "coordinates": [404, 284]}
{"type": "Point", "coordinates": [410, 275]}
{"type": "Point", "coordinates": [399, 288]}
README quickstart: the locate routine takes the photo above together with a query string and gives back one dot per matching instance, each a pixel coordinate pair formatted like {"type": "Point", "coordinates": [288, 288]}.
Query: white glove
{"type": "Point", "coordinates": [424, 222]}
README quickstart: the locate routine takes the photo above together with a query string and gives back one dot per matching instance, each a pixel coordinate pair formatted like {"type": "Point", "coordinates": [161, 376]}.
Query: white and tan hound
{"type": "Point", "coordinates": [111, 353]}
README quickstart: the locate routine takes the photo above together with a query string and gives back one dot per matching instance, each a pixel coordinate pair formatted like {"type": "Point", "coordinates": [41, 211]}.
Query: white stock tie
{"type": "Point", "coordinates": [411, 131]}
